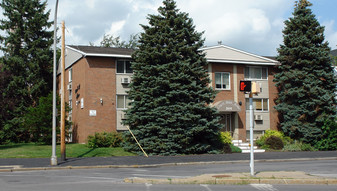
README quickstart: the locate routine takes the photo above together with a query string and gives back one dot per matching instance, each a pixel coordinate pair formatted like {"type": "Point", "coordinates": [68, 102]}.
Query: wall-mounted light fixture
{"type": "Point", "coordinates": [101, 101]}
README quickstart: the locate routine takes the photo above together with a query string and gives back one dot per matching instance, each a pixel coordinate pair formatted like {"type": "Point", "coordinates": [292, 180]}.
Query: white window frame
{"type": "Point", "coordinates": [250, 73]}
{"type": "Point", "coordinates": [262, 101]}
{"type": "Point", "coordinates": [125, 106]}
{"type": "Point", "coordinates": [221, 78]}
{"type": "Point", "coordinates": [70, 74]}
{"type": "Point", "coordinates": [124, 67]}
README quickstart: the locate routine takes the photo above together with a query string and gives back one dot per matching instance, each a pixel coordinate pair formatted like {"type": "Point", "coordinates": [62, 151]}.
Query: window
{"type": "Point", "coordinates": [256, 73]}
{"type": "Point", "coordinates": [70, 75]}
{"type": "Point", "coordinates": [122, 102]}
{"type": "Point", "coordinates": [222, 80]}
{"type": "Point", "coordinates": [258, 104]}
{"type": "Point", "coordinates": [124, 67]}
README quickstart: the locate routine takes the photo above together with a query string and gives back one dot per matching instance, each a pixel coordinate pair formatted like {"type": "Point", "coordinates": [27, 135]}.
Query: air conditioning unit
{"type": "Point", "coordinates": [69, 87]}
{"type": "Point", "coordinates": [258, 117]}
{"type": "Point", "coordinates": [125, 80]}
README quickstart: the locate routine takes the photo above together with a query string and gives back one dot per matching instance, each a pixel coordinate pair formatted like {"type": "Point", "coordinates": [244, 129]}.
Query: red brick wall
{"type": "Point", "coordinates": [229, 94]}
{"type": "Point", "coordinates": [93, 78]}
{"type": "Point", "coordinates": [273, 93]}
{"type": "Point", "coordinates": [242, 99]}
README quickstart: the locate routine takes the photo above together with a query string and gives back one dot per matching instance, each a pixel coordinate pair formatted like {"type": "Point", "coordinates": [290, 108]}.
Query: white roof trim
{"type": "Point", "coordinates": [241, 62]}
{"type": "Point", "coordinates": [237, 50]}
{"type": "Point", "coordinates": [108, 55]}
{"type": "Point", "coordinates": [99, 55]}
{"type": "Point", "coordinates": [76, 50]}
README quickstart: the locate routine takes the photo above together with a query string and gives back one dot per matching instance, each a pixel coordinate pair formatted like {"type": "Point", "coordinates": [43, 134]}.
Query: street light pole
{"type": "Point", "coordinates": [251, 121]}
{"type": "Point", "coordinates": [53, 160]}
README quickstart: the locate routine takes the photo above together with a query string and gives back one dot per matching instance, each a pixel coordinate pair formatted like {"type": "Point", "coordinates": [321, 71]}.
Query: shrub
{"type": "Point", "coordinates": [235, 149]}
{"type": "Point", "coordinates": [328, 139]}
{"type": "Point", "coordinates": [226, 137]}
{"type": "Point", "coordinates": [268, 133]}
{"type": "Point", "coordinates": [298, 146]}
{"type": "Point", "coordinates": [274, 142]}
{"type": "Point", "coordinates": [105, 139]}
{"type": "Point", "coordinates": [227, 148]}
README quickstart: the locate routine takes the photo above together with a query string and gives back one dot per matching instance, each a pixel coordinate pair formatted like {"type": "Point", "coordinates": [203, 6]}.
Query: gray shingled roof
{"type": "Point", "coordinates": [333, 52]}
{"type": "Point", "coordinates": [102, 50]}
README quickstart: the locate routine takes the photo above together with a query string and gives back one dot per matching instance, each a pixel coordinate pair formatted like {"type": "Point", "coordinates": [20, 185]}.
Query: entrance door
{"type": "Point", "coordinates": [226, 121]}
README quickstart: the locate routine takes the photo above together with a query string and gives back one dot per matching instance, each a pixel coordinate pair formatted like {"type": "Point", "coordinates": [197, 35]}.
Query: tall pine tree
{"type": "Point", "coordinates": [305, 80]}
{"type": "Point", "coordinates": [26, 45]}
{"type": "Point", "coordinates": [170, 112]}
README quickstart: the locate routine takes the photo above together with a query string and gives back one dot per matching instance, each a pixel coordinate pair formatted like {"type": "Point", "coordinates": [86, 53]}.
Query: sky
{"type": "Point", "coordinates": [253, 26]}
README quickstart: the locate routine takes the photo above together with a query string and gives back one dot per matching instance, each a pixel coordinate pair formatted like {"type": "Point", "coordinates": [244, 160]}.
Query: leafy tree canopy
{"type": "Point", "coordinates": [111, 41]}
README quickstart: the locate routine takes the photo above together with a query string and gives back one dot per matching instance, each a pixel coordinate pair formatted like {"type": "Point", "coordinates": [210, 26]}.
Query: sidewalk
{"type": "Point", "coordinates": [138, 161]}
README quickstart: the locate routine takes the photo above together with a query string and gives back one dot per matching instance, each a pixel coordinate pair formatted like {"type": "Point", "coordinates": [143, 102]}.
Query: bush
{"type": "Point", "coordinates": [274, 142]}
{"type": "Point", "coordinates": [230, 148]}
{"type": "Point", "coordinates": [227, 148]}
{"type": "Point", "coordinates": [328, 139]}
{"type": "Point", "coordinates": [298, 146]}
{"type": "Point", "coordinates": [105, 139]}
{"type": "Point", "coordinates": [38, 121]}
{"type": "Point", "coordinates": [261, 141]}
{"type": "Point", "coordinates": [226, 137]}
{"type": "Point", "coordinates": [235, 149]}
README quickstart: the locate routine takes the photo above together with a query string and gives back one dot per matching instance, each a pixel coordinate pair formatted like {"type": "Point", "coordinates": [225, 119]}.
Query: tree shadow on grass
{"type": "Point", "coordinates": [82, 155]}
{"type": "Point", "coordinates": [11, 146]}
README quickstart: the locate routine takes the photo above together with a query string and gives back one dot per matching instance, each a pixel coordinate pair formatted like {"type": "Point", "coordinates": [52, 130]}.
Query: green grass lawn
{"type": "Point", "coordinates": [32, 150]}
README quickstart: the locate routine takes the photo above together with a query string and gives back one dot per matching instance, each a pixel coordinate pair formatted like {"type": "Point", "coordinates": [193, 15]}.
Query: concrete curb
{"type": "Point", "coordinates": [277, 177]}
{"type": "Point", "coordinates": [13, 168]}
{"type": "Point", "coordinates": [234, 181]}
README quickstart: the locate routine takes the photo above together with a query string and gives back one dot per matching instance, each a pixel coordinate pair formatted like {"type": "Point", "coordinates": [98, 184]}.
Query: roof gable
{"type": "Point", "coordinates": [333, 52]}
{"type": "Point", "coordinates": [226, 54]}
{"type": "Point", "coordinates": [102, 51]}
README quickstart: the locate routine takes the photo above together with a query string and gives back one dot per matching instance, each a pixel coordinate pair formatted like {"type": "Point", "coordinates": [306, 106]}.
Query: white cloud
{"type": "Point", "coordinates": [251, 25]}
{"type": "Point", "coordinates": [330, 33]}
{"type": "Point", "coordinates": [116, 27]}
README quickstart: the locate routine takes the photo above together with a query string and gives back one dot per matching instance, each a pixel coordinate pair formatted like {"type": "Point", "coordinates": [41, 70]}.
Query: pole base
{"type": "Point", "coordinates": [53, 161]}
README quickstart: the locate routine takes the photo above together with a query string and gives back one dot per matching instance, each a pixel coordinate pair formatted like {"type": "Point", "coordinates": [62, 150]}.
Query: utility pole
{"type": "Point", "coordinates": [63, 140]}
{"type": "Point", "coordinates": [53, 159]}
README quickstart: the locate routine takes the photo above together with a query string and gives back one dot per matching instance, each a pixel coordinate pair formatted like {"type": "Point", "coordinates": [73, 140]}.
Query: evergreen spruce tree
{"type": "Point", "coordinates": [305, 79]}
{"type": "Point", "coordinates": [170, 112]}
{"type": "Point", "coordinates": [27, 57]}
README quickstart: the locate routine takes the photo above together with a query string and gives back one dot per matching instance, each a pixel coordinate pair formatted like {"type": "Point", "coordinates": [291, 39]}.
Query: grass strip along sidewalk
{"type": "Point", "coordinates": [32, 150]}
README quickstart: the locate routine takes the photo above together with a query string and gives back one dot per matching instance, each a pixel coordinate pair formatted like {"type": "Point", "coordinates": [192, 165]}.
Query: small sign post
{"type": "Point", "coordinates": [246, 86]}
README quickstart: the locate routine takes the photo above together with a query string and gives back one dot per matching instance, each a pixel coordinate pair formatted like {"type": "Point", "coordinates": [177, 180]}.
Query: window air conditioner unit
{"type": "Point", "coordinates": [258, 117]}
{"type": "Point", "coordinates": [69, 87]}
{"type": "Point", "coordinates": [125, 80]}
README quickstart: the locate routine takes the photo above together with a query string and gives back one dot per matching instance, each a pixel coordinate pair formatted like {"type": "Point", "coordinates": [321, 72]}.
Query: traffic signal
{"type": "Point", "coordinates": [245, 86]}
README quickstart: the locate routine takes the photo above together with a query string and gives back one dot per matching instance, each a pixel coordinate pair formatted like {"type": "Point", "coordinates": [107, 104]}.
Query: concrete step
{"type": "Point", "coordinates": [255, 151]}
{"type": "Point", "coordinates": [236, 141]}
{"type": "Point", "coordinates": [245, 147]}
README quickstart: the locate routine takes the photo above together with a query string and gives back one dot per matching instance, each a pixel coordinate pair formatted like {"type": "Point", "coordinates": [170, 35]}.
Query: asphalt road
{"type": "Point", "coordinates": [152, 160]}
{"type": "Point", "coordinates": [112, 178]}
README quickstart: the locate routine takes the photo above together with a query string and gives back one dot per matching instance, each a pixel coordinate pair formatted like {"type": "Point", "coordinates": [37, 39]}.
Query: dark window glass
{"type": "Point", "coordinates": [120, 67]}
{"type": "Point", "coordinates": [128, 67]}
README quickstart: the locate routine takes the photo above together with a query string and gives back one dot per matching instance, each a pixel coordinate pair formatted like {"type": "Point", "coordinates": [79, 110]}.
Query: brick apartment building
{"type": "Point", "coordinates": [97, 81]}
